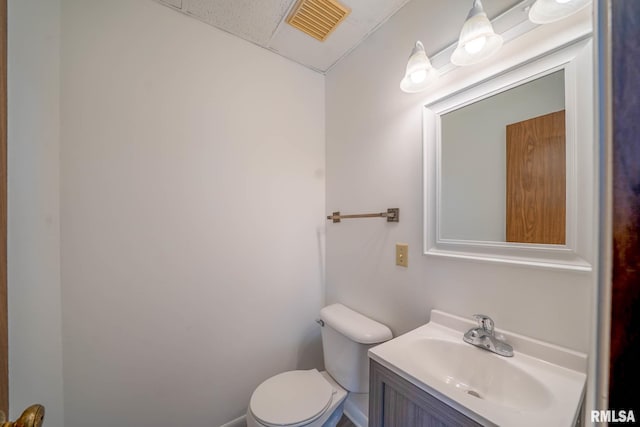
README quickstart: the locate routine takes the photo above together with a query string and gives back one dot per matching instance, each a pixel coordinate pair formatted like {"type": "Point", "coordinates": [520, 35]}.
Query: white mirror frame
{"type": "Point", "coordinates": [576, 60]}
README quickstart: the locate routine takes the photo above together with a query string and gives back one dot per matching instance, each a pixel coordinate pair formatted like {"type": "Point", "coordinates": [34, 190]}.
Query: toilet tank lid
{"type": "Point", "coordinates": [354, 325]}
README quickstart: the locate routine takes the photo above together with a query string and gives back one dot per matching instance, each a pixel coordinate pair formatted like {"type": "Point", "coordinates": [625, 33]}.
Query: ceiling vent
{"type": "Point", "coordinates": [317, 18]}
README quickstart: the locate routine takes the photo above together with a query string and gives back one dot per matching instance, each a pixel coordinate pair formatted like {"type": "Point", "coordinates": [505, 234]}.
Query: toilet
{"type": "Point", "coordinates": [318, 399]}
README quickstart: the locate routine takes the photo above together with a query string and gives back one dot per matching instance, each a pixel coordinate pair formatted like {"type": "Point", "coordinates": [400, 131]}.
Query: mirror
{"type": "Point", "coordinates": [504, 166]}
{"type": "Point", "coordinates": [505, 160]}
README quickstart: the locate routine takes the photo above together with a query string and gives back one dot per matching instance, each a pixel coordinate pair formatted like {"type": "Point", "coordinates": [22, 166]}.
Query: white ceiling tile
{"type": "Point", "coordinates": [294, 44]}
{"type": "Point", "coordinates": [250, 19]}
{"type": "Point", "coordinates": [370, 13]}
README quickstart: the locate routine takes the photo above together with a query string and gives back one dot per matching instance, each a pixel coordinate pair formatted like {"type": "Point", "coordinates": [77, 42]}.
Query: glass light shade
{"type": "Point", "coordinates": [477, 39]}
{"type": "Point", "coordinates": [420, 73]}
{"type": "Point", "coordinates": [546, 11]}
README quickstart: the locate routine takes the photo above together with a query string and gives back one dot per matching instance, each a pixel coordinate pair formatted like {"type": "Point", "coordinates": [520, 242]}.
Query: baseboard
{"type": "Point", "coordinates": [238, 422]}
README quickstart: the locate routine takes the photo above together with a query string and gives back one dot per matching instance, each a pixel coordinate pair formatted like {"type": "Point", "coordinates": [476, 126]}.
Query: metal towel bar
{"type": "Point", "coordinates": [392, 215]}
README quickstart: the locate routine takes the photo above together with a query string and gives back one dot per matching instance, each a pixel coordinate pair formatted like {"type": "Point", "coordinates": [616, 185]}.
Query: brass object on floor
{"type": "Point", "coordinates": [31, 417]}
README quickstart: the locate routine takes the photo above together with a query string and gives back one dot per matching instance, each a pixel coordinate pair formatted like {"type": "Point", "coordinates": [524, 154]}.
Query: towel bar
{"type": "Point", "coordinates": [392, 215]}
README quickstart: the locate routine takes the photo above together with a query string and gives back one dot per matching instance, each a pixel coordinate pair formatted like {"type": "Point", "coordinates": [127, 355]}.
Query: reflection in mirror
{"type": "Point", "coordinates": [503, 167]}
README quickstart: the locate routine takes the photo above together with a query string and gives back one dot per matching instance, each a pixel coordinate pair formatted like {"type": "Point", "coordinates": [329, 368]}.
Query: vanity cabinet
{"type": "Point", "coordinates": [395, 402]}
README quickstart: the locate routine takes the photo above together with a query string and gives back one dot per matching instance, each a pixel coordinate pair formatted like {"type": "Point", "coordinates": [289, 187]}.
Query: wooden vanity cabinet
{"type": "Point", "coordinates": [395, 402]}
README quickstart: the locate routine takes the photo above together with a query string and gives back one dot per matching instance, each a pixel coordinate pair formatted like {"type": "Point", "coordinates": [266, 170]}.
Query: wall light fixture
{"type": "Point", "coordinates": [420, 73]}
{"type": "Point", "coordinates": [477, 39]}
{"type": "Point", "coordinates": [546, 11]}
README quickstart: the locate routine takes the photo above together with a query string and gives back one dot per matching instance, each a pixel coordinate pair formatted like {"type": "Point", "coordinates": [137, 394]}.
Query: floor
{"type": "Point", "coordinates": [345, 422]}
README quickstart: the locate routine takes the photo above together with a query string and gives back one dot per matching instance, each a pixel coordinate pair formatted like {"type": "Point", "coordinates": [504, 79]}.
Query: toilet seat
{"type": "Point", "coordinates": [291, 399]}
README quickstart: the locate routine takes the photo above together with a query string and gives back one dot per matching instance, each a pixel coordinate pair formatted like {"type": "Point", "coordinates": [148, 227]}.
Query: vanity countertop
{"type": "Point", "coordinates": [541, 385]}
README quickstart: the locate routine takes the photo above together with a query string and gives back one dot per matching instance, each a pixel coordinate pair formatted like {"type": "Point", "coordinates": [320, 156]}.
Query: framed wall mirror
{"type": "Point", "coordinates": [506, 162]}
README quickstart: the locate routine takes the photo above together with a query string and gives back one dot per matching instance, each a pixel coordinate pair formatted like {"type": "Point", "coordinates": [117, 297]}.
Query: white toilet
{"type": "Point", "coordinates": [317, 399]}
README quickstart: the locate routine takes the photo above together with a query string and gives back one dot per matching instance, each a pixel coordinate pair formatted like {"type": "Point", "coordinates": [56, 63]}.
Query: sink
{"type": "Point", "coordinates": [478, 373]}
{"type": "Point", "coordinates": [542, 384]}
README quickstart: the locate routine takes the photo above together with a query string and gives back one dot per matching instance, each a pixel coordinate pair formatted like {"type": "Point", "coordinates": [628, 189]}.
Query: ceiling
{"type": "Point", "coordinates": [262, 22]}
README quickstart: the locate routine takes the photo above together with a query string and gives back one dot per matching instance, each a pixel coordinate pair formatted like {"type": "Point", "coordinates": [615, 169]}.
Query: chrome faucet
{"type": "Point", "coordinates": [484, 337]}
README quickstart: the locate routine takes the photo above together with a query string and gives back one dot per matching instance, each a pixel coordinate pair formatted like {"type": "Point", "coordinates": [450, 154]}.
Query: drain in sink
{"type": "Point", "coordinates": [474, 394]}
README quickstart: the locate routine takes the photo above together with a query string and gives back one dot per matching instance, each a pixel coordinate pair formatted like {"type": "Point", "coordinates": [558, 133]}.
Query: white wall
{"type": "Point", "coordinates": [474, 157]}
{"type": "Point", "coordinates": [192, 195]}
{"type": "Point", "coordinates": [35, 342]}
{"type": "Point", "coordinates": [374, 161]}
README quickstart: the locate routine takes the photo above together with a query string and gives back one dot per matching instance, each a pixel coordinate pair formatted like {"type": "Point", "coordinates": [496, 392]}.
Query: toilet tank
{"type": "Point", "coordinates": [346, 337]}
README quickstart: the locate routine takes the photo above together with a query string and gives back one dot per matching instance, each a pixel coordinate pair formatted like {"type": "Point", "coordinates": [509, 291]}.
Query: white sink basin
{"type": "Point", "coordinates": [541, 384]}
{"type": "Point", "coordinates": [478, 373]}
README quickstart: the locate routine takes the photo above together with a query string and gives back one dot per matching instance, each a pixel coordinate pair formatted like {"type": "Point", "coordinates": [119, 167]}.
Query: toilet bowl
{"type": "Point", "coordinates": [317, 399]}
{"type": "Point", "coordinates": [296, 399]}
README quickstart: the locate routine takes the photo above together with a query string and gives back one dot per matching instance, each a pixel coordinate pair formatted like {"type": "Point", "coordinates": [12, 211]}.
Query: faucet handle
{"type": "Point", "coordinates": [485, 322]}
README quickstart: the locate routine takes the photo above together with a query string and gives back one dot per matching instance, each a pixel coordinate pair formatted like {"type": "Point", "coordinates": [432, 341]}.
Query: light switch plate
{"type": "Point", "coordinates": [402, 254]}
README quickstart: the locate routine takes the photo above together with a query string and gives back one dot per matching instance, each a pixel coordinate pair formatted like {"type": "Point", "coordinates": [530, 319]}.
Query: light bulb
{"type": "Point", "coordinates": [418, 76]}
{"type": "Point", "coordinates": [475, 45]}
